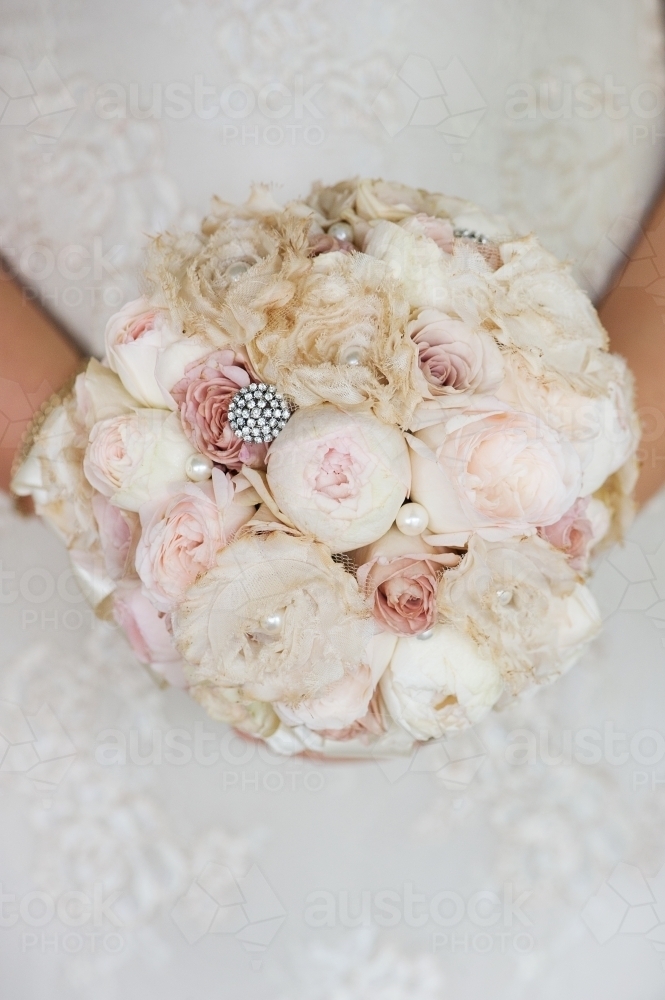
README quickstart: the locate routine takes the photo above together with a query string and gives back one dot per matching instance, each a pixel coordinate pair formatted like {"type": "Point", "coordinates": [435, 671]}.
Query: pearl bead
{"type": "Point", "coordinates": [352, 356]}
{"type": "Point", "coordinates": [234, 272]}
{"type": "Point", "coordinates": [412, 519]}
{"type": "Point", "coordinates": [272, 624]}
{"type": "Point", "coordinates": [504, 596]}
{"type": "Point", "coordinates": [341, 231]}
{"type": "Point", "coordinates": [198, 468]}
{"type": "Point", "coordinates": [426, 635]}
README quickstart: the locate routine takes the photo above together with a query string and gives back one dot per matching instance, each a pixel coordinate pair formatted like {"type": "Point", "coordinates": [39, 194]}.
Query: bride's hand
{"type": "Point", "coordinates": [36, 359]}
{"type": "Point", "coordinates": [633, 312]}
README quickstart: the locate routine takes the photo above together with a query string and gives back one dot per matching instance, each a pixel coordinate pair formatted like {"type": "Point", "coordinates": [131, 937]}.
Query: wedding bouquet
{"type": "Point", "coordinates": [344, 466]}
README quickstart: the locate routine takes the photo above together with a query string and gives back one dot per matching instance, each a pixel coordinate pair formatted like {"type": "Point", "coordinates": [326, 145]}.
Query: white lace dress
{"type": "Point", "coordinates": [145, 851]}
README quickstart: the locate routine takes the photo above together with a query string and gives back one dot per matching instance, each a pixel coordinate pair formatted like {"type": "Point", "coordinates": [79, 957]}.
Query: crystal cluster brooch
{"type": "Point", "coordinates": [258, 413]}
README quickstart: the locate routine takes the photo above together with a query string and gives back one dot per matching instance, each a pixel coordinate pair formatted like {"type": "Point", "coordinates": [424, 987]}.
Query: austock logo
{"type": "Point", "coordinates": [455, 759]}
{"type": "Point", "coordinates": [218, 902]}
{"type": "Point", "coordinates": [628, 903]}
{"type": "Point", "coordinates": [34, 746]}
{"type": "Point", "coordinates": [34, 99]}
{"type": "Point", "coordinates": [419, 95]}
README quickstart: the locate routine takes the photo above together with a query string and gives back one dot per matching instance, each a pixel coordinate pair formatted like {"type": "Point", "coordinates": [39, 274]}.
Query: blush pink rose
{"type": "Point", "coordinates": [454, 358]}
{"type": "Point", "coordinates": [400, 575]}
{"type": "Point", "coordinates": [182, 534]}
{"type": "Point", "coordinates": [147, 633]}
{"type": "Point", "coordinates": [573, 533]}
{"type": "Point", "coordinates": [500, 473]}
{"type": "Point", "coordinates": [203, 396]}
{"type": "Point", "coordinates": [324, 243]}
{"type": "Point", "coordinates": [118, 534]}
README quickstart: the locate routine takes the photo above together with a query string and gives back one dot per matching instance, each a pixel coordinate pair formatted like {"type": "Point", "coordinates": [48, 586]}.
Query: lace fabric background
{"type": "Point", "coordinates": [210, 865]}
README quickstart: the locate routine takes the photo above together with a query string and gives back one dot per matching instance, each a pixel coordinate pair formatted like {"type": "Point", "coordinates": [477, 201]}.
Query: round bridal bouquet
{"type": "Point", "coordinates": [344, 467]}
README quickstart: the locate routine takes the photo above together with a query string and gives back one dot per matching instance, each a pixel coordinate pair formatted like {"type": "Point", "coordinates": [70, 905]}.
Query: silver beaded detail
{"type": "Point", "coordinates": [470, 234]}
{"type": "Point", "coordinates": [258, 413]}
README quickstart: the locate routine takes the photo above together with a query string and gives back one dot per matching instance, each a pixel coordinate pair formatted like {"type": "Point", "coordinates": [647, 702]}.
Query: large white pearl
{"type": "Point", "coordinates": [352, 356]}
{"type": "Point", "coordinates": [272, 624]}
{"type": "Point", "coordinates": [234, 272]}
{"type": "Point", "coordinates": [426, 635]}
{"type": "Point", "coordinates": [341, 231]}
{"type": "Point", "coordinates": [504, 597]}
{"type": "Point", "coordinates": [412, 519]}
{"type": "Point", "coordinates": [198, 468]}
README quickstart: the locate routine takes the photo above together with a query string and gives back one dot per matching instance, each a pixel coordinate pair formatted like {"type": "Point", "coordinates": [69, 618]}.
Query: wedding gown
{"type": "Point", "coordinates": [146, 852]}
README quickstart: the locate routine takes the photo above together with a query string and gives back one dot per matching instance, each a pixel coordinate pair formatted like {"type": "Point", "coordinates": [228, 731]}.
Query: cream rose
{"type": "Point", "coordinates": [182, 535]}
{"type": "Point", "coordinates": [496, 472]}
{"type": "Point", "coordinates": [136, 456]}
{"type": "Point", "coordinates": [342, 477]}
{"type": "Point", "coordinates": [275, 617]}
{"type": "Point", "coordinates": [597, 418]}
{"type": "Point", "coordinates": [446, 682]}
{"type": "Point", "coordinates": [136, 337]}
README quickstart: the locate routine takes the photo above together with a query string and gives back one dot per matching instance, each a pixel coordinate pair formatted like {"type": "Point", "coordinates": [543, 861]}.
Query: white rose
{"type": "Point", "coordinates": [134, 338]}
{"type": "Point", "coordinates": [439, 684]}
{"type": "Point", "coordinates": [134, 457]}
{"type": "Point", "coordinates": [340, 476]}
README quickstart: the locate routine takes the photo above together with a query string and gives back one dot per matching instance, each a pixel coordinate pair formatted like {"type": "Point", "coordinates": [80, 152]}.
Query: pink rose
{"type": "Point", "coordinates": [454, 358]}
{"type": "Point", "coordinates": [401, 577]}
{"type": "Point", "coordinates": [573, 533]}
{"type": "Point", "coordinates": [182, 535]}
{"type": "Point", "coordinates": [500, 473]}
{"type": "Point", "coordinates": [203, 396]}
{"type": "Point", "coordinates": [147, 633]}
{"type": "Point", "coordinates": [118, 533]}
{"type": "Point", "coordinates": [324, 243]}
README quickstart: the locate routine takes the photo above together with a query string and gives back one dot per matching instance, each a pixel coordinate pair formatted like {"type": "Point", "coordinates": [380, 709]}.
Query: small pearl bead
{"type": "Point", "coordinates": [341, 231]}
{"type": "Point", "coordinates": [412, 519]}
{"type": "Point", "coordinates": [272, 624]}
{"type": "Point", "coordinates": [426, 635]}
{"type": "Point", "coordinates": [198, 468]}
{"type": "Point", "coordinates": [504, 596]}
{"type": "Point", "coordinates": [235, 271]}
{"type": "Point", "coordinates": [352, 356]}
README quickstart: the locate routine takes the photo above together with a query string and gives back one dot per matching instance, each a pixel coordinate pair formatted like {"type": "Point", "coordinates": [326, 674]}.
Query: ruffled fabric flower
{"type": "Point", "coordinates": [183, 533]}
{"type": "Point", "coordinates": [522, 600]}
{"type": "Point", "coordinates": [203, 396]}
{"type": "Point", "coordinates": [444, 683]}
{"type": "Point", "coordinates": [338, 476]}
{"type": "Point", "coordinates": [341, 339]}
{"type": "Point", "coordinates": [225, 625]}
{"type": "Point", "coordinates": [400, 575]}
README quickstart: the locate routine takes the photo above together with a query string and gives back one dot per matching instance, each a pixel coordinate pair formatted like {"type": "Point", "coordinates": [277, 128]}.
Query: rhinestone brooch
{"type": "Point", "coordinates": [258, 413]}
{"type": "Point", "coordinates": [470, 234]}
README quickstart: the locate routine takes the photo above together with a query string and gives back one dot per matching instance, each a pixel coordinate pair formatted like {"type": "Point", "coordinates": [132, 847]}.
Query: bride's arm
{"type": "Point", "coordinates": [633, 313]}
{"type": "Point", "coordinates": [36, 359]}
